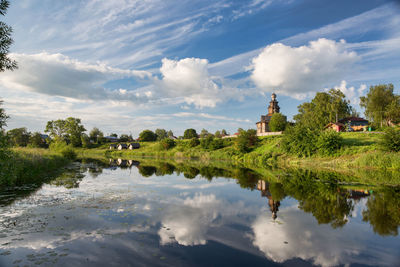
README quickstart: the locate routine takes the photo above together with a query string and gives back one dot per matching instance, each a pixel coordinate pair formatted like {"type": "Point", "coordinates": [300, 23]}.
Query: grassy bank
{"type": "Point", "coordinates": [21, 166]}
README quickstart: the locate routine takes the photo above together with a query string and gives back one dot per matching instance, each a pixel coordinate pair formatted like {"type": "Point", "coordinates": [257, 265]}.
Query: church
{"type": "Point", "coordinates": [262, 125]}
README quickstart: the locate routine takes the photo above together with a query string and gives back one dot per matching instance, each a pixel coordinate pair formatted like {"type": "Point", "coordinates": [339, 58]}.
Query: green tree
{"type": "Point", "coordinates": [194, 142]}
{"type": "Point", "coordinates": [167, 143]}
{"type": "Point", "coordinates": [56, 129]}
{"type": "Point", "coordinates": [379, 104]}
{"type": "Point", "coordinates": [246, 140]}
{"type": "Point", "coordinates": [36, 140]}
{"type": "Point", "coordinates": [18, 136]}
{"type": "Point", "coordinates": [85, 140]}
{"type": "Point", "coordinates": [161, 134]}
{"type": "Point", "coordinates": [69, 130]}
{"type": "Point", "coordinates": [5, 41]}
{"type": "Point", "coordinates": [96, 135]}
{"type": "Point", "coordinates": [170, 133]}
{"type": "Point", "coordinates": [147, 135]}
{"type": "Point", "coordinates": [325, 107]}
{"type": "Point", "coordinates": [300, 140]}
{"type": "Point", "coordinates": [204, 133]}
{"type": "Point", "coordinates": [189, 134]}
{"type": "Point", "coordinates": [124, 138]}
{"type": "Point", "coordinates": [391, 139]}
{"type": "Point", "coordinates": [277, 122]}
{"type": "Point", "coordinates": [114, 135]}
{"type": "Point", "coordinates": [224, 133]}
{"type": "Point", "coordinates": [217, 134]}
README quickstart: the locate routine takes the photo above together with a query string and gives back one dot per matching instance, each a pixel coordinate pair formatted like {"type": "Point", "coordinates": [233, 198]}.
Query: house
{"type": "Point", "coordinates": [336, 126]}
{"type": "Point", "coordinates": [355, 123]}
{"type": "Point", "coordinates": [113, 146]}
{"type": "Point", "coordinates": [263, 124]}
{"type": "Point", "coordinates": [122, 146]}
{"type": "Point", "coordinates": [173, 137]}
{"type": "Point", "coordinates": [134, 146]}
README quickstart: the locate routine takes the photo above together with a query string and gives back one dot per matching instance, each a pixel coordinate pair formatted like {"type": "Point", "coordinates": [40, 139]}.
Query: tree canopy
{"type": "Point", "coordinates": [5, 40]}
{"type": "Point", "coordinates": [69, 130]}
{"type": "Point", "coordinates": [96, 135]}
{"type": "Point", "coordinates": [381, 105]}
{"type": "Point", "coordinates": [325, 107]}
{"type": "Point", "coordinates": [189, 134]}
{"type": "Point", "coordinates": [277, 122]}
{"type": "Point", "coordinates": [161, 134]}
{"type": "Point", "coordinates": [147, 135]}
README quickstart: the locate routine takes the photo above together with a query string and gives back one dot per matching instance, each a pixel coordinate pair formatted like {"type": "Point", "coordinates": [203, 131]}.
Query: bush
{"type": "Point", "coordinates": [206, 142]}
{"type": "Point", "coordinates": [147, 135]}
{"type": "Point", "coordinates": [391, 139]}
{"type": "Point", "coordinates": [246, 140]}
{"type": "Point", "coordinates": [329, 142]}
{"type": "Point", "coordinates": [193, 142]}
{"type": "Point", "coordinates": [277, 122]}
{"type": "Point", "coordinates": [167, 143]}
{"type": "Point", "coordinates": [300, 140]}
{"type": "Point", "coordinates": [68, 153]}
{"type": "Point", "coordinates": [211, 143]}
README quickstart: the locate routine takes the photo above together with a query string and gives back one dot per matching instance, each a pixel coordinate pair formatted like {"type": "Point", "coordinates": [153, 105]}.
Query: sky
{"type": "Point", "coordinates": [128, 65]}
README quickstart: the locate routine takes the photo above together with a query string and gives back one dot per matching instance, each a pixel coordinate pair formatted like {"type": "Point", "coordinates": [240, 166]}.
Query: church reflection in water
{"type": "Point", "coordinates": [263, 186]}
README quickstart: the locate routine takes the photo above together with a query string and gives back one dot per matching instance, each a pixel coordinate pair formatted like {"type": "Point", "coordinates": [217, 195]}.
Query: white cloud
{"type": "Point", "coordinates": [296, 71]}
{"type": "Point", "coordinates": [352, 93]}
{"type": "Point", "coordinates": [189, 78]}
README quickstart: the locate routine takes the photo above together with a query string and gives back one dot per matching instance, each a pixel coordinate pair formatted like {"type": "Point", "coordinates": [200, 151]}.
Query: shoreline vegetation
{"type": "Point", "coordinates": [359, 159]}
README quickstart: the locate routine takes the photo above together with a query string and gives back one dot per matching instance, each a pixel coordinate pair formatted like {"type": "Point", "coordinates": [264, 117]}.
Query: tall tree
{"type": "Point", "coordinates": [96, 135]}
{"type": "Point", "coordinates": [5, 41]}
{"type": "Point", "coordinates": [325, 107]}
{"type": "Point", "coordinates": [18, 136]}
{"type": "Point", "coordinates": [161, 134]}
{"type": "Point", "coordinates": [69, 130]}
{"type": "Point", "coordinates": [378, 103]}
{"type": "Point", "coordinates": [170, 133]}
{"type": "Point", "coordinates": [190, 133]}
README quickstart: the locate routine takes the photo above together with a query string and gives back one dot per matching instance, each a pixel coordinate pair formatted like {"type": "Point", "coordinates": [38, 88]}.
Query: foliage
{"type": "Point", "coordinates": [329, 142]}
{"type": "Point", "coordinates": [161, 134]}
{"type": "Point", "coordinates": [277, 122]}
{"type": "Point", "coordinates": [300, 140]}
{"type": "Point", "coordinates": [167, 143]}
{"type": "Point", "coordinates": [217, 134]}
{"type": "Point", "coordinates": [85, 141]}
{"type": "Point", "coordinates": [96, 135]}
{"type": "Point", "coordinates": [125, 138]}
{"type": "Point", "coordinates": [391, 139]}
{"type": "Point", "coordinates": [189, 134]}
{"type": "Point", "coordinates": [170, 133]}
{"type": "Point", "coordinates": [381, 105]}
{"type": "Point", "coordinates": [36, 140]}
{"type": "Point", "coordinates": [68, 153]}
{"type": "Point", "coordinates": [223, 132]}
{"type": "Point", "coordinates": [114, 135]}
{"type": "Point", "coordinates": [194, 142]}
{"type": "Point", "coordinates": [69, 130]}
{"type": "Point", "coordinates": [325, 107]}
{"type": "Point", "coordinates": [204, 133]}
{"type": "Point", "coordinates": [147, 136]}
{"type": "Point", "coordinates": [211, 143]}
{"type": "Point", "coordinates": [5, 41]}
{"type": "Point", "coordinates": [246, 140]}
{"type": "Point", "coordinates": [18, 137]}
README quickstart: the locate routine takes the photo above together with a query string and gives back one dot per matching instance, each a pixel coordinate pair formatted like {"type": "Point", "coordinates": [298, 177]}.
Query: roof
{"type": "Point", "coordinates": [352, 119]}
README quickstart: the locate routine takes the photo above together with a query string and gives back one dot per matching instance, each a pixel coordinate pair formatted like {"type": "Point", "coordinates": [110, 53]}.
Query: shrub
{"type": "Point", "coordinates": [206, 142]}
{"type": "Point", "coordinates": [277, 122]}
{"type": "Point", "coordinates": [391, 139]}
{"type": "Point", "coordinates": [68, 153]}
{"type": "Point", "coordinates": [167, 143]}
{"type": "Point", "coordinates": [300, 140]}
{"type": "Point", "coordinates": [246, 140]}
{"type": "Point", "coordinates": [147, 135]}
{"type": "Point", "coordinates": [193, 142]}
{"type": "Point", "coordinates": [329, 142]}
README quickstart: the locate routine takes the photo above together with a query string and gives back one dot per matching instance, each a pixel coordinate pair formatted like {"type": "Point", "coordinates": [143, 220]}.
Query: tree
{"type": "Point", "coordinates": [96, 135]}
{"type": "Point", "coordinates": [170, 133]}
{"type": "Point", "coordinates": [224, 133]}
{"type": "Point", "coordinates": [380, 104]}
{"type": "Point", "coordinates": [69, 130]}
{"type": "Point", "coordinates": [217, 134]}
{"type": "Point", "coordinates": [161, 134]}
{"type": "Point", "coordinates": [5, 41]}
{"type": "Point", "coordinates": [277, 122]}
{"type": "Point", "coordinates": [246, 140]}
{"type": "Point", "coordinates": [18, 136]}
{"type": "Point", "coordinates": [147, 135]}
{"type": "Point", "coordinates": [124, 138]}
{"type": "Point", "coordinates": [189, 134]}
{"type": "Point", "coordinates": [36, 140]}
{"type": "Point", "coordinates": [85, 140]}
{"type": "Point", "coordinates": [204, 133]}
{"type": "Point", "coordinates": [325, 107]}
{"type": "Point", "coordinates": [114, 135]}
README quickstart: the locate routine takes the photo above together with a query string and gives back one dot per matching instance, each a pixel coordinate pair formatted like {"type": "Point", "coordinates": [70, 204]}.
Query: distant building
{"type": "Point", "coordinates": [134, 146]}
{"type": "Point", "coordinates": [122, 146]}
{"type": "Point", "coordinates": [263, 124]}
{"type": "Point", "coordinates": [352, 124]}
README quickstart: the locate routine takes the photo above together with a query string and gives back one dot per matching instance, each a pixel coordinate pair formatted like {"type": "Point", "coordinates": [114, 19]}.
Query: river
{"type": "Point", "coordinates": [131, 213]}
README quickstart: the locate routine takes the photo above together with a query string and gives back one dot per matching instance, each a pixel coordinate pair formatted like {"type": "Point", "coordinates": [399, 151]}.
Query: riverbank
{"type": "Point", "coordinates": [360, 156]}
{"type": "Point", "coordinates": [20, 166]}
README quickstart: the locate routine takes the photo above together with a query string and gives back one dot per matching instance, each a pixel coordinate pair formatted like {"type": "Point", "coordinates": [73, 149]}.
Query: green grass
{"type": "Point", "coordinates": [21, 166]}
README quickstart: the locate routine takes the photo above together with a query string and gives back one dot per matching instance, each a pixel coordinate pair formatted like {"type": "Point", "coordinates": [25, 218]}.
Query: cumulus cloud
{"type": "Point", "coordinates": [189, 78]}
{"type": "Point", "coordinates": [59, 75]}
{"type": "Point", "coordinates": [351, 92]}
{"type": "Point", "coordinates": [297, 71]}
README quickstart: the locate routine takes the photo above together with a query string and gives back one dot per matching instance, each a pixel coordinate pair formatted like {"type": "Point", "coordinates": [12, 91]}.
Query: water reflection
{"type": "Point", "coordinates": [124, 209]}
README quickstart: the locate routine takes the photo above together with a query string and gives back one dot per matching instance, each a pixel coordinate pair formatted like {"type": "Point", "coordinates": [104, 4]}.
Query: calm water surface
{"type": "Point", "coordinates": [126, 213]}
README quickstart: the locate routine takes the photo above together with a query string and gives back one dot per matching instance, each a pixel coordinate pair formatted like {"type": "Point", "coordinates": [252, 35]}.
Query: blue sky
{"type": "Point", "coordinates": [129, 65]}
